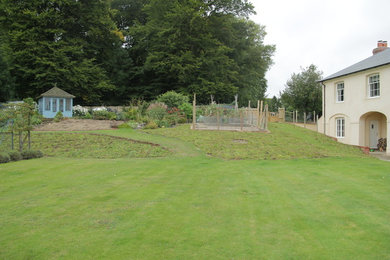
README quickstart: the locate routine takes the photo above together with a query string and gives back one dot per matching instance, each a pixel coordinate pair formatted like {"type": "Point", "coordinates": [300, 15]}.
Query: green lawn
{"type": "Point", "coordinates": [190, 205]}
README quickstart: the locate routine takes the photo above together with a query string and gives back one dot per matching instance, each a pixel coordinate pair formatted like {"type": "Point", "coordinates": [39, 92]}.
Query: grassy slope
{"type": "Point", "coordinates": [199, 207]}
{"type": "Point", "coordinates": [284, 142]}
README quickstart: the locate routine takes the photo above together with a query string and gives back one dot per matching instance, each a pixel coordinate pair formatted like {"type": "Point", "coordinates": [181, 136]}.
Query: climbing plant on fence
{"type": "Point", "coordinates": [17, 119]}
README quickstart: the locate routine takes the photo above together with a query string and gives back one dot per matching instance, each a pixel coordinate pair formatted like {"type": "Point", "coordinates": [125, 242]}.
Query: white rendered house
{"type": "Point", "coordinates": [356, 101]}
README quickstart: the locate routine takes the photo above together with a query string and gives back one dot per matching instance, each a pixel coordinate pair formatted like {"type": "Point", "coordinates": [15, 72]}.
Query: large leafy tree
{"type": "Point", "coordinates": [197, 46]}
{"type": "Point", "coordinates": [303, 91]}
{"type": "Point", "coordinates": [60, 41]}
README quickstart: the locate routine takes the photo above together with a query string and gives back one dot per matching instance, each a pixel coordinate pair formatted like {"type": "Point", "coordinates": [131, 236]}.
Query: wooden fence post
{"type": "Point", "coordinates": [218, 121]}
{"type": "Point", "coordinates": [261, 114]}
{"type": "Point", "coordinates": [314, 117]}
{"type": "Point", "coordinates": [241, 120]}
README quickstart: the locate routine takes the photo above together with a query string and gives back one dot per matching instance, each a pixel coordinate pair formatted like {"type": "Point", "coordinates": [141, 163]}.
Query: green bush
{"type": "Point", "coordinates": [163, 123]}
{"type": "Point", "coordinates": [157, 111]}
{"type": "Point", "coordinates": [4, 158]}
{"type": "Point", "coordinates": [173, 99]}
{"type": "Point", "coordinates": [58, 117]}
{"type": "Point", "coordinates": [151, 125]}
{"type": "Point", "coordinates": [31, 154]}
{"type": "Point", "coordinates": [186, 108]}
{"type": "Point", "coordinates": [103, 115]}
{"type": "Point", "coordinates": [15, 156]}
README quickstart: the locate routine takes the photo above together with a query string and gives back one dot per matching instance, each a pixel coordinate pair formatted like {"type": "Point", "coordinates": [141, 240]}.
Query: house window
{"type": "Point", "coordinates": [340, 127]}
{"type": "Point", "coordinates": [340, 92]}
{"type": "Point", "coordinates": [67, 104]}
{"type": "Point", "coordinates": [54, 105]}
{"type": "Point", "coordinates": [374, 85]}
{"type": "Point", "coordinates": [61, 105]}
{"type": "Point", "coordinates": [47, 104]}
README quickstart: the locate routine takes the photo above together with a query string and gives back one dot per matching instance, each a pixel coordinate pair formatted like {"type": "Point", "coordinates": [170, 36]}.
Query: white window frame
{"type": "Point", "coordinates": [374, 86]}
{"type": "Point", "coordinates": [340, 127]}
{"type": "Point", "coordinates": [340, 92]}
{"type": "Point", "coordinates": [54, 105]}
{"type": "Point", "coordinates": [47, 103]}
{"type": "Point", "coordinates": [67, 104]}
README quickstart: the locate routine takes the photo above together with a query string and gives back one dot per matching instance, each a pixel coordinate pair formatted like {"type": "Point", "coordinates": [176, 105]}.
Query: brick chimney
{"type": "Point", "coordinates": [382, 45]}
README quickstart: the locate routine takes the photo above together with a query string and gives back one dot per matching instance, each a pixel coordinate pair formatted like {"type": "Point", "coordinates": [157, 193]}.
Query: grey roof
{"type": "Point", "coordinates": [56, 92]}
{"type": "Point", "coordinates": [379, 59]}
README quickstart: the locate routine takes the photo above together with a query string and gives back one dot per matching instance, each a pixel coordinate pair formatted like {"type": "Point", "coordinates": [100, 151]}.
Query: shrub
{"type": "Point", "coordinates": [163, 123]}
{"type": "Point", "coordinates": [15, 156]}
{"type": "Point", "coordinates": [58, 117]}
{"type": "Point", "coordinates": [157, 111]}
{"type": "Point", "coordinates": [151, 125]}
{"type": "Point", "coordinates": [103, 115]}
{"type": "Point", "coordinates": [173, 99]}
{"type": "Point", "coordinates": [31, 154]}
{"type": "Point", "coordinates": [4, 158]}
{"type": "Point", "coordinates": [186, 108]}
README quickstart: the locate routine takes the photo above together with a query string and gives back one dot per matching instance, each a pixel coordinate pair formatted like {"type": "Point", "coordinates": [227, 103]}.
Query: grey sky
{"type": "Point", "coordinates": [331, 34]}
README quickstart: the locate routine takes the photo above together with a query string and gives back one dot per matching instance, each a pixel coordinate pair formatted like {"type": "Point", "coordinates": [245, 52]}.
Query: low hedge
{"type": "Point", "coordinates": [15, 155]}
{"type": "Point", "coordinates": [4, 158]}
{"type": "Point", "coordinates": [31, 154]}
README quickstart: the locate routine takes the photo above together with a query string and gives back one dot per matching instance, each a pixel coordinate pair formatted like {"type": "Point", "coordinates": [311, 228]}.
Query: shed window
{"type": "Point", "coordinates": [61, 108]}
{"type": "Point", "coordinates": [374, 85]}
{"type": "Point", "coordinates": [340, 92]}
{"type": "Point", "coordinates": [340, 127]}
{"type": "Point", "coordinates": [54, 105]}
{"type": "Point", "coordinates": [47, 104]}
{"type": "Point", "coordinates": [67, 104]}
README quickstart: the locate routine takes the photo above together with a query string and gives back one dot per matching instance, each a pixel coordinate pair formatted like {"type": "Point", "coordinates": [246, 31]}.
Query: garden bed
{"type": "Point", "coordinates": [78, 125]}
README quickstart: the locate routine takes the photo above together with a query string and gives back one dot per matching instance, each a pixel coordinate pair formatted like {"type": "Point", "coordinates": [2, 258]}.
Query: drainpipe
{"type": "Point", "coordinates": [324, 106]}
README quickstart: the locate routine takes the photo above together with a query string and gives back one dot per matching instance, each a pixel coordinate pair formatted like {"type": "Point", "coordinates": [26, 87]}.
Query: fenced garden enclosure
{"type": "Point", "coordinates": [230, 117]}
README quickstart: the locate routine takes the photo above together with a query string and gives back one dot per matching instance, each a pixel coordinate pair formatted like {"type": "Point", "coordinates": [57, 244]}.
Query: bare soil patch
{"type": "Point", "coordinates": [78, 125]}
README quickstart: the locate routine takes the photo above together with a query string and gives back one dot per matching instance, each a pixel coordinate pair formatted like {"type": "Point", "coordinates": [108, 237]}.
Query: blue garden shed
{"type": "Point", "coordinates": [55, 100]}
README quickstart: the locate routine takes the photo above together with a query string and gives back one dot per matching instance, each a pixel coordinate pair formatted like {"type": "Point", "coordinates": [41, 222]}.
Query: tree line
{"type": "Point", "coordinates": [112, 51]}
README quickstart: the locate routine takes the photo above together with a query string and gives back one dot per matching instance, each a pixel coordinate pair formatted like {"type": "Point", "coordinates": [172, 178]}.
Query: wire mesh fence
{"type": "Point", "coordinates": [301, 117]}
{"type": "Point", "coordinates": [227, 117]}
{"type": "Point", "coordinates": [6, 141]}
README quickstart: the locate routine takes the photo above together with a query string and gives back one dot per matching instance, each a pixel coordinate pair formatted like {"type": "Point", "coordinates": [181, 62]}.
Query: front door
{"type": "Point", "coordinates": [374, 133]}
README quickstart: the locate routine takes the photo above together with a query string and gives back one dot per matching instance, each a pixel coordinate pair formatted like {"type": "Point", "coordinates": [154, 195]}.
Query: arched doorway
{"type": "Point", "coordinates": [373, 126]}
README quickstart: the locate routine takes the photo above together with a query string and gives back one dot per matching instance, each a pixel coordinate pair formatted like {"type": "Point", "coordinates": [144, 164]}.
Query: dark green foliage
{"type": "Point", "coordinates": [172, 99]}
{"type": "Point", "coordinates": [274, 104]}
{"type": "Point", "coordinates": [186, 108]}
{"type": "Point", "coordinates": [4, 158]}
{"type": "Point", "coordinates": [60, 41]}
{"type": "Point", "coordinates": [31, 154]}
{"type": "Point", "coordinates": [112, 51]}
{"type": "Point", "coordinates": [15, 155]}
{"type": "Point", "coordinates": [303, 91]}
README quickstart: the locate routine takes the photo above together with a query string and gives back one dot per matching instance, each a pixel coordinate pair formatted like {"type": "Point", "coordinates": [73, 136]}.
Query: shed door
{"type": "Point", "coordinates": [374, 133]}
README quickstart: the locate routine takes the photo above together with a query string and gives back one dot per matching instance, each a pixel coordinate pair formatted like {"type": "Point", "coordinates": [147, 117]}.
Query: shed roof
{"type": "Point", "coordinates": [56, 92]}
{"type": "Point", "coordinates": [379, 59]}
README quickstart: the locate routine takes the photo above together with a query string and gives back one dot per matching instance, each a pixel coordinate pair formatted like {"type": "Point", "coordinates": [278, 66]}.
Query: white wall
{"type": "Point", "coordinates": [356, 103]}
